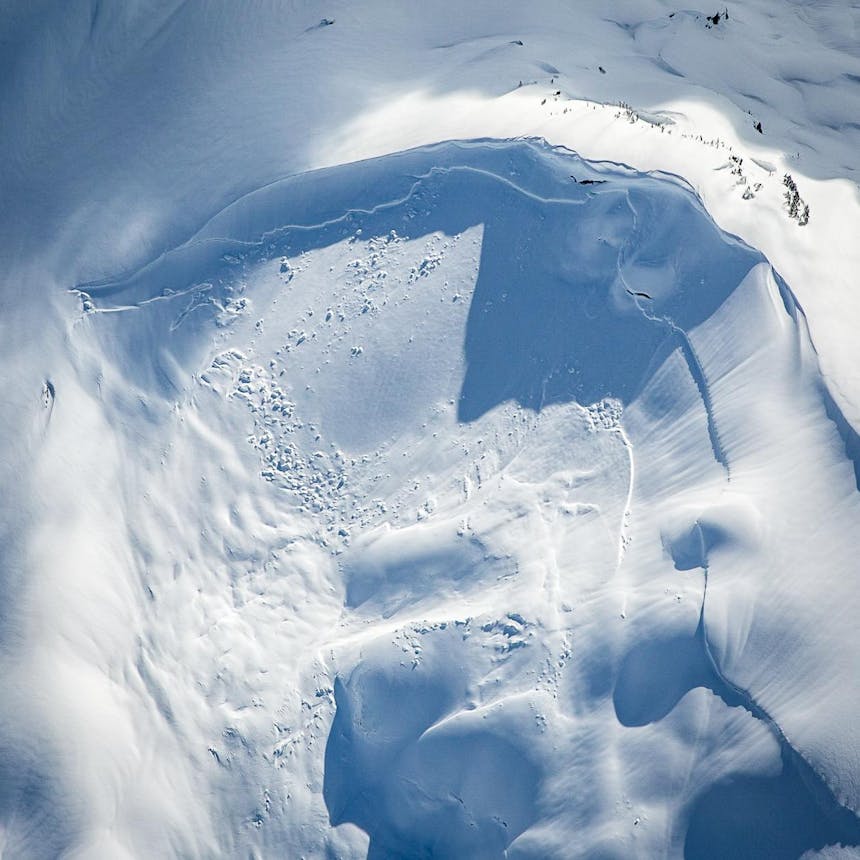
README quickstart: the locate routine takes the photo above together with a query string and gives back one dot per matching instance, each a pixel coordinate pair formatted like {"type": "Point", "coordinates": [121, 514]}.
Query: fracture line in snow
{"type": "Point", "coordinates": [108, 286]}
{"type": "Point", "coordinates": [696, 372]}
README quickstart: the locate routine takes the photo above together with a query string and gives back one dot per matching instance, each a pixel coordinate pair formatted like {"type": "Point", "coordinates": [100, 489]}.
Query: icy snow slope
{"type": "Point", "coordinates": [472, 501]}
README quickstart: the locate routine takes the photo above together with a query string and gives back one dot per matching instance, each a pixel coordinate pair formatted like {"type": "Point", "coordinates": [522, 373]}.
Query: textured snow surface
{"type": "Point", "coordinates": [428, 434]}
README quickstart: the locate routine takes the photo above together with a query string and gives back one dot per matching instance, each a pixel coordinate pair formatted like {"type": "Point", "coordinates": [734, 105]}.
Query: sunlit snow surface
{"type": "Point", "coordinates": [473, 501]}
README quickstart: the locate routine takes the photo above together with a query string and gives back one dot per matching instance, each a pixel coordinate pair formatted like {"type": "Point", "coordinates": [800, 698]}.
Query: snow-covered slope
{"type": "Point", "coordinates": [384, 478]}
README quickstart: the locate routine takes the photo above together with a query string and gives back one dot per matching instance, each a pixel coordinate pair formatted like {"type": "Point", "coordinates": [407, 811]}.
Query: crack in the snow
{"type": "Point", "coordinates": [696, 372]}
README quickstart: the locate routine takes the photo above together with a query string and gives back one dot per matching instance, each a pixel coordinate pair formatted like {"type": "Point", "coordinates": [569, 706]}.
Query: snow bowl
{"type": "Point", "coordinates": [559, 444]}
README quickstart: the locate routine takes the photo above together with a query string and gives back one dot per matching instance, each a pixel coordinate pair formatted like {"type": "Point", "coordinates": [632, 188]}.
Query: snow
{"type": "Point", "coordinates": [427, 433]}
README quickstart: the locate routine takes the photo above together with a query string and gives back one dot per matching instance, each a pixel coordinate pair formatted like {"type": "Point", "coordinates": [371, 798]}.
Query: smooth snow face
{"type": "Point", "coordinates": [480, 506]}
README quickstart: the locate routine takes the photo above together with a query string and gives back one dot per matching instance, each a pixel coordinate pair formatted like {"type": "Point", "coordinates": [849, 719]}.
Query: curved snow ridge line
{"type": "Point", "coordinates": [108, 287]}
{"type": "Point", "coordinates": [112, 285]}
{"type": "Point", "coordinates": [231, 211]}
{"type": "Point", "coordinates": [197, 238]}
{"type": "Point", "coordinates": [611, 166]}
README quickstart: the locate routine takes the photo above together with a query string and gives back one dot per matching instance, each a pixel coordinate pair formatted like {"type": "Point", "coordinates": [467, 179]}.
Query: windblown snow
{"type": "Point", "coordinates": [429, 432]}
